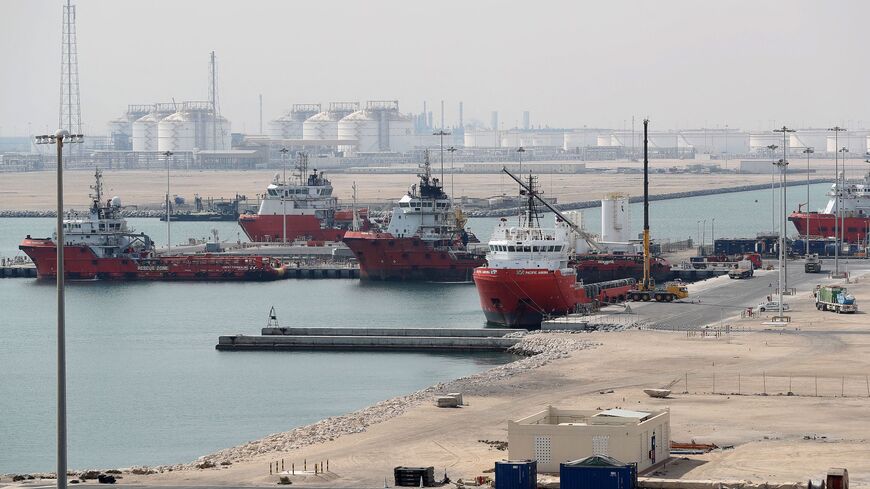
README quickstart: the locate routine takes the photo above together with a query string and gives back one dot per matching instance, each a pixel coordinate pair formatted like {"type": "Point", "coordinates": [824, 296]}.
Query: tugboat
{"type": "Point", "coordinates": [100, 246]}
{"type": "Point", "coordinates": [304, 207]}
{"type": "Point", "coordinates": [529, 275]}
{"type": "Point", "coordinates": [425, 239]}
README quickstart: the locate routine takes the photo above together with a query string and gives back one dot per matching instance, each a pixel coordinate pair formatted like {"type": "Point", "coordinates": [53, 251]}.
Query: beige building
{"type": "Point", "coordinates": [554, 435]}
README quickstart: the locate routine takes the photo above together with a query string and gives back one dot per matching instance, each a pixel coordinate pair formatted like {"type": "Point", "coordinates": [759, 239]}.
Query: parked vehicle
{"type": "Point", "coordinates": [772, 305]}
{"type": "Point", "coordinates": [744, 269]}
{"type": "Point", "coordinates": [835, 298]}
{"type": "Point", "coordinates": [813, 264]}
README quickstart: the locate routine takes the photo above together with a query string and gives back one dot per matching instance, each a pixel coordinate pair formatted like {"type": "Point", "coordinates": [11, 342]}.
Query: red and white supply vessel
{"type": "Point", "coordinates": [303, 206]}
{"type": "Point", "coordinates": [101, 246]}
{"type": "Point", "coordinates": [528, 275]}
{"type": "Point", "coordinates": [854, 208]}
{"type": "Point", "coordinates": [425, 239]}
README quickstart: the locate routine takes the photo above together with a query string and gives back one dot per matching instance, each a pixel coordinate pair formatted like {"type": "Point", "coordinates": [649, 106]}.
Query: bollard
{"type": "Point", "coordinates": [315, 469]}
{"type": "Point", "coordinates": [282, 464]}
{"type": "Point", "coordinates": [321, 466]}
{"type": "Point", "coordinates": [293, 468]}
{"type": "Point", "coordinates": [305, 464]}
{"type": "Point", "coordinates": [270, 468]}
{"type": "Point", "coordinates": [327, 465]}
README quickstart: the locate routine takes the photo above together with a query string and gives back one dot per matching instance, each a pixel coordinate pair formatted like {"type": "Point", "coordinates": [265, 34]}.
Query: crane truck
{"type": "Point", "coordinates": [647, 289]}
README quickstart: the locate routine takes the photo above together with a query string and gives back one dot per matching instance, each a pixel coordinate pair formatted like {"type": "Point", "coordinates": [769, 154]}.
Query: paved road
{"type": "Point", "coordinates": [726, 298]}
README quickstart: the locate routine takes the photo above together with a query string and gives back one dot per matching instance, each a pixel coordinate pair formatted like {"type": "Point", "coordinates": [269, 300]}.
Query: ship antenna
{"type": "Point", "coordinates": [97, 187]}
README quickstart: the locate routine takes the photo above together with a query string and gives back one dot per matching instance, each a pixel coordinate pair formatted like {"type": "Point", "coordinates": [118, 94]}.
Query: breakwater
{"type": "Point", "coordinates": [589, 204]}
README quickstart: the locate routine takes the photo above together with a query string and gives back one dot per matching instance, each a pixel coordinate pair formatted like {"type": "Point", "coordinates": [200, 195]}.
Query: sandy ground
{"type": "Point", "coordinates": [35, 190]}
{"type": "Point", "coordinates": [735, 395]}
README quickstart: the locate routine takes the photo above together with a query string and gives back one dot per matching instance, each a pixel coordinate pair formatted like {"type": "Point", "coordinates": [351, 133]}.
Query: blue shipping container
{"type": "Point", "coordinates": [516, 474]}
{"type": "Point", "coordinates": [597, 472]}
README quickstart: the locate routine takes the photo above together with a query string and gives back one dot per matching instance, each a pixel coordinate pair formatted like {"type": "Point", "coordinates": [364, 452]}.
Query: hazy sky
{"type": "Point", "coordinates": [748, 63]}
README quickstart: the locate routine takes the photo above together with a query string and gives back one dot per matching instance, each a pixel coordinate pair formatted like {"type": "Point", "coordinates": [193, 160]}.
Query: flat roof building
{"type": "Point", "coordinates": [554, 435]}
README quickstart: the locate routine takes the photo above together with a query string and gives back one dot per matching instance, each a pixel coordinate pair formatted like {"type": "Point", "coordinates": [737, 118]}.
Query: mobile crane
{"type": "Point", "coordinates": [647, 289]}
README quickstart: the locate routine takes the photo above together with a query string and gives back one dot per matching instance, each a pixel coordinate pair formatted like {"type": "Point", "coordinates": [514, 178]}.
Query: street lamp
{"type": "Point", "coordinates": [168, 155]}
{"type": "Point", "coordinates": [284, 152]}
{"type": "Point", "coordinates": [59, 138]}
{"type": "Point", "coordinates": [808, 151]}
{"type": "Point", "coordinates": [772, 148]}
{"type": "Point", "coordinates": [783, 190]}
{"type": "Point", "coordinates": [845, 152]}
{"type": "Point", "coordinates": [441, 133]}
{"type": "Point", "coordinates": [452, 150]}
{"type": "Point", "coordinates": [837, 130]}
{"type": "Point", "coordinates": [782, 164]}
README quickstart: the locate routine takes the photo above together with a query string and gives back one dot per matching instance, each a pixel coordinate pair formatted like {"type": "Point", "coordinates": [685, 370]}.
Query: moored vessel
{"type": "Point", "coordinates": [425, 239]}
{"type": "Point", "coordinates": [528, 275]}
{"type": "Point", "coordinates": [849, 218]}
{"type": "Point", "coordinates": [302, 208]}
{"type": "Point", "coordinates": [100, 245]}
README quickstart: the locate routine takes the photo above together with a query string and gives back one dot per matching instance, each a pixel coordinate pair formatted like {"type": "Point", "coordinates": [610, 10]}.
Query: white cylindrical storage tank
{"type": "Point", "coordinates": [479, 139]}
{"type": "Point", "coordinates": [362, 127]}
{"type": "Point", "coordinates": [604, 140]}
{"type": "Point", "coordinates": [121, 125]}
{"type": "Point", "coordinates": [760, 141]}
{"type": "Point", "coordinates": [176, 132]}
{"type": "Point", "coordinates": [320, 126]}
{"type": "Point", "coordinates": [286, 127]}
{"type": "Point", "coordinates": [401, 133]}
{"type": "Point", "coordinates": [548, 139]}
{"type": "Point", "coordinates": [615, 218]}
{"type": "Point", "coordinates": [577, 140]}
{"type": "Point", "coordinates": [854, 141]}
{"type": "Point", "coordinates": [145, 133]}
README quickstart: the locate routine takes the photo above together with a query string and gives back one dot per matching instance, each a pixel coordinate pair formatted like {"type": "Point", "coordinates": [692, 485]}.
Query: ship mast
{"type": "Point", "coordinates": [532, 215]}
{"type": "Point", "coordinates": [97, 187]}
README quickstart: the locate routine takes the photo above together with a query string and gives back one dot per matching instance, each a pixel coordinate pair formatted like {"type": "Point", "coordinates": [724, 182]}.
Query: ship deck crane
{"type": "Point", "coordinates": [647, 289]}
{"type": "Point", "coordinates": [577, 229]}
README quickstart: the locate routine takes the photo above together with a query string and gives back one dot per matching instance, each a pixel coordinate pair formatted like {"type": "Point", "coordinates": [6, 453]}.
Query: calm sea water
{"type": "Point", "coordinates": [147, 387]}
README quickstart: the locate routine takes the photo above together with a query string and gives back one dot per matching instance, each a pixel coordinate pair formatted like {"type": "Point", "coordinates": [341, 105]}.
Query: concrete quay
{"type": "Point", "coordinates": [364, 339]}
{"type": "Point", "coordinates": [18, 271]}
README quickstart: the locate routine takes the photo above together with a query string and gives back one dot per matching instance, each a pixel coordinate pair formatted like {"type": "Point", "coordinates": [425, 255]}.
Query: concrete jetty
{"type": "Point", "coordinates": [17, 271]}
{"type": "Point", "coordinates": [371, 339]}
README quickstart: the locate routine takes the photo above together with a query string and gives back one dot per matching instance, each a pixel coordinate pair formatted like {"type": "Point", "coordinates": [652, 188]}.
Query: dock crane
{"type": "Point", "coordinates": [577, 229]}
{"type": "Point", "coordinates": [647, 290]}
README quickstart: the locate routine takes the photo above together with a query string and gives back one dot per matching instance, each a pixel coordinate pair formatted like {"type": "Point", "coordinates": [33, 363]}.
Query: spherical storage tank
{"type": "Point", "coordinates": [615, 218]}
{"type": "Point", "coordinates": [362, 127]}
{"type": "Point", "coordinates": [145, 133]}
{"type": "Point", "coordinates": [176, 132]}
{"type": "Point", "coordinates": [321, 126]}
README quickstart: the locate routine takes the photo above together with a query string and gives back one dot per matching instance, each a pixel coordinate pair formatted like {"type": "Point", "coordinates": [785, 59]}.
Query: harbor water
{"type": "Point", "coordinates": [147, 387]}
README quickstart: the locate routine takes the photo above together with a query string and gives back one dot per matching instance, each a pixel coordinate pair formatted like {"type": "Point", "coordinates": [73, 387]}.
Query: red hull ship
{"type": "Point", "coordinates": [305, 208]}
{"type": "Point", "coordinates": [528, 276]}
{"type": "Point", "coordinates": [100, 247]}
{"type": "Point", "coordinates": [424, 241]}
{"type": "Point", "coordinates": [854, 208]}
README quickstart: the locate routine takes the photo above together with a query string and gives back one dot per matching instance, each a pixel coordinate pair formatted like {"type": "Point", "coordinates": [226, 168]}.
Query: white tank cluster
{"type": "Point", "coordinates": [289, 125]}
{"type": "Point", "coordinates": [185, 126]}
{"type": "Point", "coordinates": [377, 128]}
{"type": "Point", "coordinates": [324, 125]}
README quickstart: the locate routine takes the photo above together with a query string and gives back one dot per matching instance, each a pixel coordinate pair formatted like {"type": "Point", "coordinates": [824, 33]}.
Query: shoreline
{"type": "Point", "coordinates": [586, 204]}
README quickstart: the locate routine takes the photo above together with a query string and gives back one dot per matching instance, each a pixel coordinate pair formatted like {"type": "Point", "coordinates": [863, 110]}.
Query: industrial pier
{"type": "Point", "coordinates": [372, 339]}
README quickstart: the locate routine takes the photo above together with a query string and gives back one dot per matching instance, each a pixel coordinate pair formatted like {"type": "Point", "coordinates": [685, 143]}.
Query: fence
{"type": "Point", "coordinates": [764, 384]}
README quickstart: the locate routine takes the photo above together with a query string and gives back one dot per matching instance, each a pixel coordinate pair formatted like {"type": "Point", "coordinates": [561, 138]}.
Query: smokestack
{"type": "Point", "coordinates": [461, 123]}
{"type": "Point", "coordinates": [442, 115]}
{"type": "Point", "coordinates": [526, 121]}
{"type": "Point", "coordinates": [261, 114]}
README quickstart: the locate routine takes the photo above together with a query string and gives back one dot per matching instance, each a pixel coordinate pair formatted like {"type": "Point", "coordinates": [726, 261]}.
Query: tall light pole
{"type": "Point", "coordinates": [726, 146]}
{"type": "Point", "coordinates": [782, 164]}
{"type": "Point", "coordinates": [441, 133]}
{"type": "Point", "coordinates": [168, 157]}
{"type": "Point", "coordinates": [772, 148]}
{"type": "Point", "coordinates": [520, 152]}
{"type": "Point", "coordinates": [703, 238]}
{"type": "Point", "coordinates": [284, 152]}
{"type": "Point", "coordinates": [808, 151]}
{"type": "Point", "coordinates": [837, 130]}
{"type": "Point", "coordinates": [452, 150]}
{"type": "Point", "coordinates": [58, 138]}
{"type": "Point", "coordinates": [713, 234]}
{"type": "Point", "coordinates": [845, 152]}
{"type": "Point", "coordinates": [782, 186]}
